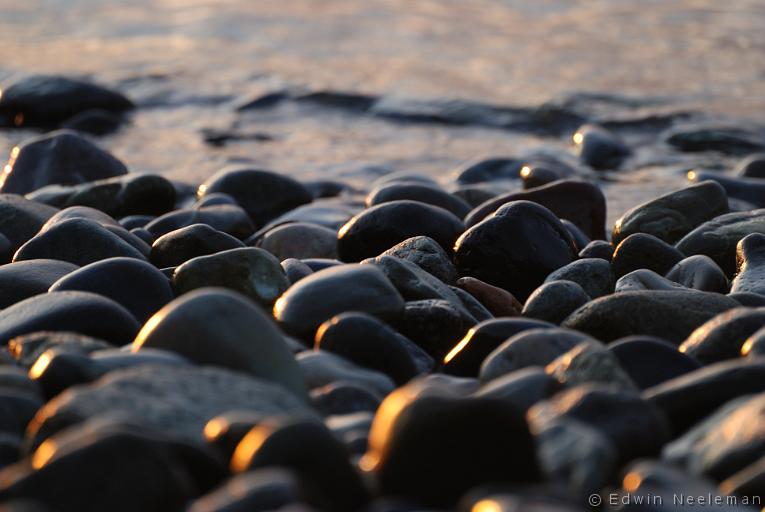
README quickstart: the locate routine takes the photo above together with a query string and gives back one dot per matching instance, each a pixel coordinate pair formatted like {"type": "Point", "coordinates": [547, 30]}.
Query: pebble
{"type": "Point", "coordinates": [754, 345]}
{"type": "Point", "coordinates": [476, 310]}
{"type": "Point", "coordinates": [594, 275]}
{"type": "Point", "coordinates": [599, 148]}
{"type": "Point", "coordinates": [82, 312]}
{"type": "Point", "coordinates": [489, 170]}
{"type": "Point", "coordinates": [753, 166]}
{"type": "Point", "coordinates": [313, 453]}
{"type": "Point", "coordinates": [136, 285]}
{"type": "Point", "coordinates": [331, 214]}
{"type": "Point", "coordinates": [466, 356]}
{"type": "Point", "coordinates": [46, 101]}
{"type": "Point", "coordinates": [644, 279]}
{"type": "Point", "coordinates": [687, 399]}
{"type": "Point", "coordinates": [749, 190]}
{"type": "Point", "coordinates": [251, 271]}
{"type": "Point", "coordinates": [699, 272]}
{"type": "Point", "coordinates": [27, 348]}
{"type": "Point", "coordinates": [718, 238]}
{"type": "Point", "coordinates": [79, 241]}
{"type": "Point", "coordinates": [341, 398]}
{"type": "Point", "coordinates": [598, 249]}
{"type": "Point", "coordinates": [750, 261]}
{"type": "Point", "coordinates": [574, 452]}
{"type": "Point", "coordinates": [724, 443]}
{"type": "Point", "coordinates": [94, 122]}
{"type": "Point", "coordinates": [650, 361]}
{"type": "Point", "coordinates": [132, 194]}
{"type": "Point", "coordinates": [242, 337]}
{"type": "Point", "coordinates": [672, 216]}
{"type": "Point", "coordinates": [368, 342]}
{"type": "Point", "coordinates": [168, 473]}
{"type": "Point", "coordinates": [497, 301]}
{"type": "Point", "coordinates": [515, 248]}
{"type": "Point", "coordinates": [295, 270]}
{"type": "Point", "coordinates": [580, 239]}
{"type": "Point", "coordinates": [186, 243]}
{"type": "Point", "coordinates": [413, 453]}
{"type": "Point", "coordinates": [321, 368]}
{"type": "Point", "coordinates": [227, 218]}
{"type": "Point", "coordinates": [326, 293]}
{"type": "Point", "coordinates": [581, 202]}
{"type": "Point", "coordinates": [175, 400]}
{"type": "Point", "coordinates": [58, 158]}
{"type": "Point", "coordinates": [530, 347]}
{"type": "Point", "coordinates": [380, 227]}
{"type": "Point", "coordinates": [264, 195]}
{"type": "Point", "coordinates": [24, 279]}
{"type": "Point", "coordinates": [436, 325]}
{"type": "Point", "coordinates": [422, 193]}
{"type": "Point", "coordinates": [541, 170]}
{"type": "Point", "coordinates": [723, 336]}
{"type": "Point", "coordinates": [671, 315]}
{"type": "Point", "coordinates": [726, 139]}
{"type": "Point", "coordinates": [256, 491]}
{"type": "Point", "coordinates": [752, 300]}
{"type": "Point", "coordinates": [554, 301]}
{"type": "Point", "coordinates": [635, 426]}
{"type": "Point", "coordinates": [21, 219]}
{"type": "Point", "coordinates": [521, 388]}
{"type": "Point", "coordinates": [299, 240]}
{"type": "Point", "coordinates": [589, 362]}
{"type": "Point", "coordinates": [426, 254]}
{"type": "Point", "coordinates": [643, 251]}
{"type": "Point", "coordinates": [413, 283]}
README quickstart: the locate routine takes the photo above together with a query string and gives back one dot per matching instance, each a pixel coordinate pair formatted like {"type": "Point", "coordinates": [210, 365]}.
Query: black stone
{"type": "Point", "coordinates": [599, 148]}
{"type": "Point", "coordinates": [699, 272]}
{"type": "Point", "coordinates": [644, 251]}
{"type": "Point", "coordinates": [24, 279]}
{"type": "Point", "coordinates": [418, 192]}
{"type": "Point", "coordinates": [228, 218]}
{"type": "Point", "coordinates": [183, 244]}
{"type": "Point", "coordinates": [515, 249]}
{"type": "Point", "coordinates": [723, 336]}
{"type": "Point", "coordinates": [380, 227]}
{"type": "Point", "coordinates": [554, 301]}
{"type": "Point", "coordinates": [491, 169]}
{"type": "Point", "coordinates": [594, 275]}
{"type": "Point", "coordinates": [598, 249]}
{"type": "Point", "coordinates": [650, 361]}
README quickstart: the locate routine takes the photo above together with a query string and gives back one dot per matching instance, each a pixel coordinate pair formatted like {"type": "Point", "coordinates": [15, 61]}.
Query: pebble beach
{"type": "Point", "coordinates": [382, 256]}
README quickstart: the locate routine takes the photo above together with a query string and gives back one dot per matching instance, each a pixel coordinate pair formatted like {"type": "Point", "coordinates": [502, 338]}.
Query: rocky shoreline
{"type": "Point", "coordinates": [258, 342]}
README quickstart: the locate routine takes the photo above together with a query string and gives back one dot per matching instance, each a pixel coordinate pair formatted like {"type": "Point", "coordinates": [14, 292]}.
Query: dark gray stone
{"type": "Point", "coordinates": [554, 301]}
{"type": "Point", "coordinates": [723, 336]}
{"type": "Point", "coordinates": [183, 244]}
{"type": "Point", "coordinates": [426, 254]}
{"type": "Point", "coordinates": [24, 279]}
{"type": "Point", "coordinates": [699, 272]}
{"type": "Point", "coordinates": [594, 275]}
{"type": "Point", "coordinates": [599, 148]}
{"type": "Point", "coordinates": [644, 251]}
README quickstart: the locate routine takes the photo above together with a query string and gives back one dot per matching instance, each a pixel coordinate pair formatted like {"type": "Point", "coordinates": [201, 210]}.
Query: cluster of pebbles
{"type": "Point", "coordinates": [258, 343]}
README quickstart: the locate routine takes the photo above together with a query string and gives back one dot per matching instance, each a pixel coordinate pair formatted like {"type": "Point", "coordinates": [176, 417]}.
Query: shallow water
{"type": "Point", "coordinates": [190, 63]}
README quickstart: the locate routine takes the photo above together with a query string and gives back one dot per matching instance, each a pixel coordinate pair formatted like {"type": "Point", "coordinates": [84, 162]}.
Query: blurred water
{"type": "Point", "coordinates": [190, 62]}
